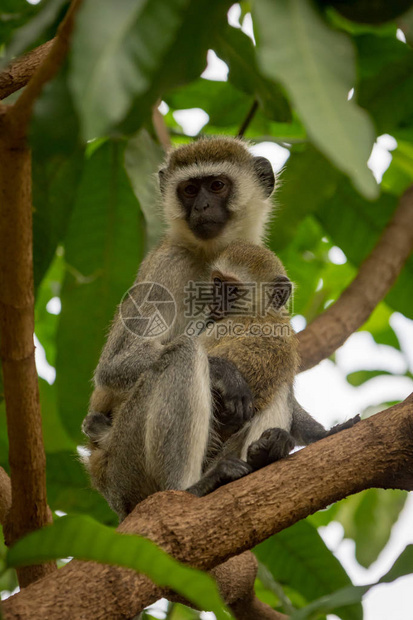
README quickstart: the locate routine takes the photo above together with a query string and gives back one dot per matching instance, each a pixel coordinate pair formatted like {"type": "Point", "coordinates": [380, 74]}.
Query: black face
{"type": "Point", "coordinates": [205, 200]}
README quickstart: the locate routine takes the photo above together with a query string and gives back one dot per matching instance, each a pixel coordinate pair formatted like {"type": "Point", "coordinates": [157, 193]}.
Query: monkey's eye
{"type": "Point", "coordinates": [191, 189]}
{"type": "Point", "coordinates": [217, 281]}
{"type": "Point", "coordinates": [217, 186]}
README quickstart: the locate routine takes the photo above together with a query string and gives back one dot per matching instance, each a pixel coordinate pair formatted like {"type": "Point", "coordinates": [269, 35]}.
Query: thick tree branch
{"type": "Point", "coordinates": [5, 495]}
{"type": "Point", "coordinates": [22, 109]}
{"type": "Point", "coordinates": [29, 510]}
{"type": "Point", "coordinates": [376, 276]}
{"type": "Point", "coordinates": [26, 452]}
{"type": "Point", "coordinates": [377, 452]}
{"type": "Point", "coordinates": [20, 71]}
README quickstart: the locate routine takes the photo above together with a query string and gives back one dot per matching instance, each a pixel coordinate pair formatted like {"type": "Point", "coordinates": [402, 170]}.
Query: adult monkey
{"type": "Point", "coordinates": [164, 435]}
{"type": "Point", "coordinates": [214, 191]}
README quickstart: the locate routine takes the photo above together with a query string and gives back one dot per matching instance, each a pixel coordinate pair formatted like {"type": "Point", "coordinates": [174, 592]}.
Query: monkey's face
{"type": "Point", "coordinates": [205, 202]}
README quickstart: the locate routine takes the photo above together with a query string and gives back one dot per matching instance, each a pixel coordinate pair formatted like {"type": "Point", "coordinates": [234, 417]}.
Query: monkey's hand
{"type": "Point", "coordinates": [273, 445]}
{"type": "Point", "coordinates": [96, 425]}
{"type": "Point", "coordinates": [233, 401]}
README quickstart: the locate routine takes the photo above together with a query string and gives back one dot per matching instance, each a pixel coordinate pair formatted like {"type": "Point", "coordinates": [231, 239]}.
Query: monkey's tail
{"type": "Point", "coordinates": [306, 430]}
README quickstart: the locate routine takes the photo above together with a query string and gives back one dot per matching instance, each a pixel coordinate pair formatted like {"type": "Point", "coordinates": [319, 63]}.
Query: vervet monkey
{"type": "Point", "coordinates": [165, 434]}
{"type": "Point", "coordinates": [213, 191]}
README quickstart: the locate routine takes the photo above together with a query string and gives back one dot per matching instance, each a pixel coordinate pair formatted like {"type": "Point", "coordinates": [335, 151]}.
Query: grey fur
{"type": "Point", "coordinates": [151, 424]}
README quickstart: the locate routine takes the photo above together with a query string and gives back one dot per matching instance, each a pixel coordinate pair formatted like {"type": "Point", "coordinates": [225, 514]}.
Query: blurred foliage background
{"type": "Point", "coordinates": [323, 80]}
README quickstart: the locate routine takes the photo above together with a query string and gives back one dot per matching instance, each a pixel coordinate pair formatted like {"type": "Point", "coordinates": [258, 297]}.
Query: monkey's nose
{"type": "Point", "coordinates": [200, 208]}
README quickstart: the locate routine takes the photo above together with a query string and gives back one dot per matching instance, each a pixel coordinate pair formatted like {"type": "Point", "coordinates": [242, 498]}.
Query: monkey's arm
{"type": "Point", "coordinates": [266, 363]}
{"type": "Point", "coordinates": [119, 370]}
{"type": "Point", "coordinates": [306, 430]}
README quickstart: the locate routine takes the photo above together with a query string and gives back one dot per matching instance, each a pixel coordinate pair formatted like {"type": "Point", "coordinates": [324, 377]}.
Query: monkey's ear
{"type": "Point", "coordinates": [265, 174]}
{"type": "Point", "coordinates": [162, 179]}
{"type": "Point", "coordinates": [282, 291]}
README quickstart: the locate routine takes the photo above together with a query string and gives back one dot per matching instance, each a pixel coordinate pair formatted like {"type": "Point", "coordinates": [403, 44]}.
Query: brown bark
{"type": "Point", "coordinates": [376, 276]}
{"type": "Point", "coordinates": [20, 71]}
{"type": "Point", "coordinates": [29, 510]}
{"type": "Point", "coordinates": [205, 532]}
{"type": "Point", "coordinates": [5, 495]}
{"type": "Point", "coordinates": [26, 452]}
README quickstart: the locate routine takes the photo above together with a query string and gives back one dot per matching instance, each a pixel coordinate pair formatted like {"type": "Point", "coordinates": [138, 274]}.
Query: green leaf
{"type": "Point", "coordinates": [15, 13]}
{"type": "Point", "coordinates": [45, 322]}
{"type": "Point", "coordinates": [385, 87]}
{"type": "Point", "coordinates": [184, 60]}
{"type": "Point", "coordinates": [318, 71]}
{"type": "Point", "coordinates": [299, 557]}
{"type": "Point", "coordinates": [305, 256]}
{"type": "Point", "coordinates": [402, 566]}
{"type": "Point", "coordinates": [85, 539]}
{"type": "Point", "coordinates": [238, 51]}
{"type": "Point", "coordinates": [340, 599]}
{"type": "Point", "coordinates": [176, 611]}
{"type": "Point", "coordinates": [28, 34]}
{"type": "Point", "coordinates": [57, 164]}
{"type": "Point", "coordinates": [8, 577]}
{"type": "Point", "coordinates": [224, 104]}
{"type": "Point", "coordinates": [142, 162]}
{"type": "Point", "coordinates": [104, 246]}
{"type": "Point", "coordinates": [358, 229]}
{"type": "Point", "coordinates": [307, 173]}
{"type": "Point", "coordinates": [54, 190]}
{"type": "Point", "coordinates": [54, 434]}
{"type": "Point", "coordinates": [68, 488]}
{"type": "Point", "coordinates": [130, 40]}
{"type": "Point", "coordinates": [368, 518]}
{"type": "Point", "coordinates": [354, 594]}
{"type": "Point", "coordinates": [359, 377]}
{"type": "Point", "coordinates": [268, 585]}
{"type": "Point", "coordinates": [399, 175]}
{"type": "Point", "coordinates": [379, 327]}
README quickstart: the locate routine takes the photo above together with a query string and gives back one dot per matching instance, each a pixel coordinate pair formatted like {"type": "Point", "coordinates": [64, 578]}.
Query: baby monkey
{"type": "Point", "coordinates": [167, 432]}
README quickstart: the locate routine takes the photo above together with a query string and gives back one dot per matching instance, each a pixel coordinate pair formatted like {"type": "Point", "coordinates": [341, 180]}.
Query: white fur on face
{"type": "Point", "coordinates": [250, 208]}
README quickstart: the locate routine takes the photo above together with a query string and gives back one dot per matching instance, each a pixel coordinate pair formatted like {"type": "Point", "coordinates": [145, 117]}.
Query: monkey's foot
{"type": "Point", "coordinates": [341, 427]}
{"type": "Point", "coordinates": [273, 445]}
{"type": "Point", "coordinates": [221, 473]}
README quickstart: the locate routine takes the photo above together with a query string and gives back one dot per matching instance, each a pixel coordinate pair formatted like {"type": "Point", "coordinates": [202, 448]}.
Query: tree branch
{"type": "Point", "coordinates": [22, 109]}
{"type": "Point", "coordinates": [376, 276]}
{"type": "Point", "coordinates": [29, 509]}
{"type": "Point", "coordinates": [205, 532]}
{"type": "Point", "coordinates": [161, 129]}
{"type": "Point", "coordinates": [5, 495]}
{"type": "Point", "coordinates": [20, 71]}
{"type": "Point", "coordinates": [248, 119]}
